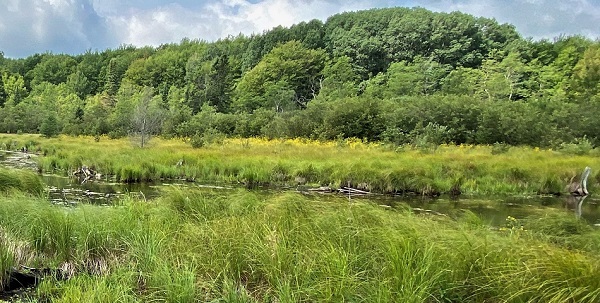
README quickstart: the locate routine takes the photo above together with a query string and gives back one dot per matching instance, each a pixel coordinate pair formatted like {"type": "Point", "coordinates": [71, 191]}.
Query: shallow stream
{"type": "Point", "coordinates": [493, 210]}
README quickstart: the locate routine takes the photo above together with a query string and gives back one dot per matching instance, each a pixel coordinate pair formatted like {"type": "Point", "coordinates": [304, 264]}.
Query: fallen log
{"type": "Point", "coordinates": [349, 190]}
{"type": "Point", "coordinates": [322, 189]}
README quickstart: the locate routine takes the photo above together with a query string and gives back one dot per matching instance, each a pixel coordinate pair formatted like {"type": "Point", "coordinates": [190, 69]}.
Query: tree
{"type": "Point", "coordinates": [53, 68]}
{"type": "Point", "coordinates": [3, 94]}
{"type": "Point", "coordinates": [421, 77]}
{"type": "Point", "coordinates": [462, 81]}
{"type": "Point", "coordinates": [95, 115]}
{"type": "Point", "coordinates": [178, 111]}
{"type": "Point", "coordinates": [586, 74]}
{"type": "Point", "coordinates": [112, 78]}
{"type": "Point", "coordinates": [218, 83]}
{"type": "Point", "coordinates": [49, 127]}
{"type": "Point", "coordinates": [291, 63]}
{"type": "Point", "coordinates": [339, 79]}
{"type": "Point", "coordinates": [79, 83]}
{"type": "Point", "coordinates": [14, 86]}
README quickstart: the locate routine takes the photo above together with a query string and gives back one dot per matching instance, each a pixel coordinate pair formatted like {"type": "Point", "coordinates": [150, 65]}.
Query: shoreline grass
{"type": "Point", "coordinates": [448, 169]}
{"type": "Point", "coordinates": [20, 180]}
{"type": "Point", "coordinates": [193, 245]}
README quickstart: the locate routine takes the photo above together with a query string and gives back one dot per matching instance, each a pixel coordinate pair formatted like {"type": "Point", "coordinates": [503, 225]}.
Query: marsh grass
{"type": "Point", "coordinates": [19, 180]}
{"type": "Point", "coordinates": [210, 246]}
{"type": "Point", "coordinates": [369, 166]}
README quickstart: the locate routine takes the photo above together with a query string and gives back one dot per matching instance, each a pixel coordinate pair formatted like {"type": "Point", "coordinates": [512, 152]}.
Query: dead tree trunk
{"type": "Point", "coordinates": [579, 187]}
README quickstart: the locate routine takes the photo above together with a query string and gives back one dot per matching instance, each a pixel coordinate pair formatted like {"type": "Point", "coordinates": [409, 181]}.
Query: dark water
{"type": "Point", "coordinates": [69, 191]}
{"type": "Point", "coordinates": [495, 210]}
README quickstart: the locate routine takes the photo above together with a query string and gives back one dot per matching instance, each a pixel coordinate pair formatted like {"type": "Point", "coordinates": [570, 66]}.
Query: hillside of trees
{"type": "Point", "coordinates": [397, 75]}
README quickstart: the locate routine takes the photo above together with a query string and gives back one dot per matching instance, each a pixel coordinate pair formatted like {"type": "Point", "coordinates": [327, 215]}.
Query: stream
{"type": "Point", "coordinates": [493, 210]}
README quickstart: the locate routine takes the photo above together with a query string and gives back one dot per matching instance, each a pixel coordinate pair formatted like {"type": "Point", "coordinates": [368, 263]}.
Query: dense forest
{"type": "Point", "coordinates": [399, 75]}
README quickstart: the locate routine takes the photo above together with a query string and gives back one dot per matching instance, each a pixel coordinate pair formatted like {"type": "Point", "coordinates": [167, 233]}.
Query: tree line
{"type": "Point", "coordinates": [399, 75]}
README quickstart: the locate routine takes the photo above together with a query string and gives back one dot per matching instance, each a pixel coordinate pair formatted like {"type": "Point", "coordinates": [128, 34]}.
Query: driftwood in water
{"type": "Point", "coordinates": [353, 191]}
{"type": "Point", "coordinates": [322, 189]}
{"type": "Point", "coordinates": [578, 187]}
{"type": "Point", "coordinates": [86, 174]}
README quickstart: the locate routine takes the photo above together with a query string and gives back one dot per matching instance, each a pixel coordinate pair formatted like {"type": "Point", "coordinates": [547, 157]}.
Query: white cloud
{"type": "Point", "coordinates": [172, 22]}
{"type": "Point", "coordinates": [532, 18]}
{"type": "Point", "coordinates": [29, 26]}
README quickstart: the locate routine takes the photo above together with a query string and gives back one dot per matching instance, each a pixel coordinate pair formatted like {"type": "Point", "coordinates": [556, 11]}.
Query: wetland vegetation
{"type": "Point", "coordinates": [193, 244]}
{"type": "Point", "coordinates": [393, 102]}
{"type": "Point", "coordinates": [390, 169]}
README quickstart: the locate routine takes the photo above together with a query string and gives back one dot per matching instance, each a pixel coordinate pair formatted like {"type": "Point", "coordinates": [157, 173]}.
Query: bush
{"type": "Point", "coordinates": [210, 136]}
{"type": "Point", "coordinates": [579, 146]}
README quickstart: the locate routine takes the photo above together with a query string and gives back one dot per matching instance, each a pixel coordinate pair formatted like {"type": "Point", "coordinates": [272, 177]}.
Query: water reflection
{"type": "Point", "coordinates": [575, 204]}
{"type": "Point", "coordinates": [69, 191]}
{"type": "Point", "coordinates": [493, 210]}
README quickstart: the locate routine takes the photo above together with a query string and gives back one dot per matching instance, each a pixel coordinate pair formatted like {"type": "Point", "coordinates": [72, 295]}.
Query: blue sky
{"type": "Point", "coordinates": [74, 26]}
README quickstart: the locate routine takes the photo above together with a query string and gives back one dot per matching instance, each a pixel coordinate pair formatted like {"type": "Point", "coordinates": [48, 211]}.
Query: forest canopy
{"type": "Point", "coordinates": [398, 75]}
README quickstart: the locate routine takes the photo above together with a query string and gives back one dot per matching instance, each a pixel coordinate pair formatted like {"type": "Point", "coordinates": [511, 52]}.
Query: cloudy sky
{"type": "Point", "coordinates": [73, 26]}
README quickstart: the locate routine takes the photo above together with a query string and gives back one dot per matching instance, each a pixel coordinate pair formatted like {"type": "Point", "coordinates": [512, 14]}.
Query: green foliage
{"type": "Point", "coordinates": [405, 68]}
{"type": "Point", "coordinates": [209, 136]}
{"type": "Point", "coordinates": [54, 69]}
{"type": "Point", "coordinates": [147, 116]}
{"type": "Point", "coordinates": [49, 127]}
{"type": "Point", "coordinates": [586, 74]}
{"type": "Point", "coordinates": [20, 180]}
{"type": "Point", "coordinates": [339, 79]}
{"type": "Point", "coordinates": [288, 67]}
{"type": "Point", "coordinates": [240, 246]}
{"type": "Point", "coordinates": [3, 94]}
{"type": "Point", "coordinates": [579, 146]}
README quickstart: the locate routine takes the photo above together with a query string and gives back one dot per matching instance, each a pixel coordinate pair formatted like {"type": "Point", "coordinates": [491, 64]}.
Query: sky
{"type": "Point", "coordinates": [74, 26]}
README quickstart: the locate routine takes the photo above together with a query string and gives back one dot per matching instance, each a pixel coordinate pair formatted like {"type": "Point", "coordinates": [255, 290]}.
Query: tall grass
{"type": "Point", "coordinates": [198, 245]}
{"type": "Point", "coordinates": [369, 166]}
{"type": "Point", "coordinates": [19, 180]}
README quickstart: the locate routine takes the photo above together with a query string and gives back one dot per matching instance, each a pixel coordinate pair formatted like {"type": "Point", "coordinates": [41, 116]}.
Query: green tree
{"type": "Point", "coordinates": [586, 74]}
{"type": "Point", "coordinates": [53, 69]}
{"type": "Point", "coordinates": [112, 78]}
{"type": "Point", "coordinates": [178, 112]}
{"type": "Point", "coordinates": [14, 85]}
{"type": "Point", "coordinates": [96, 115]}
{"type": "Point", "coordinates": [79, 83]}
{"type": "Point", "coordinates": [462, 81]}
{"type": "Point", "coordinates": [197, 71]}
{"type": "Point", "coordinates": [218, 84]}
{"type": "Point", "coordinates": [49, 127]}
{"type": "Point", "coordinates": [504, 80]}
{"type": "Point", "coordinates": [339, 79]}
{"type": "Point", "coordinates": [3, 94]}
{"type": "Point", "coordinates": [291, 63]}
{"type": "Point", "coordinates": [422, 77]}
